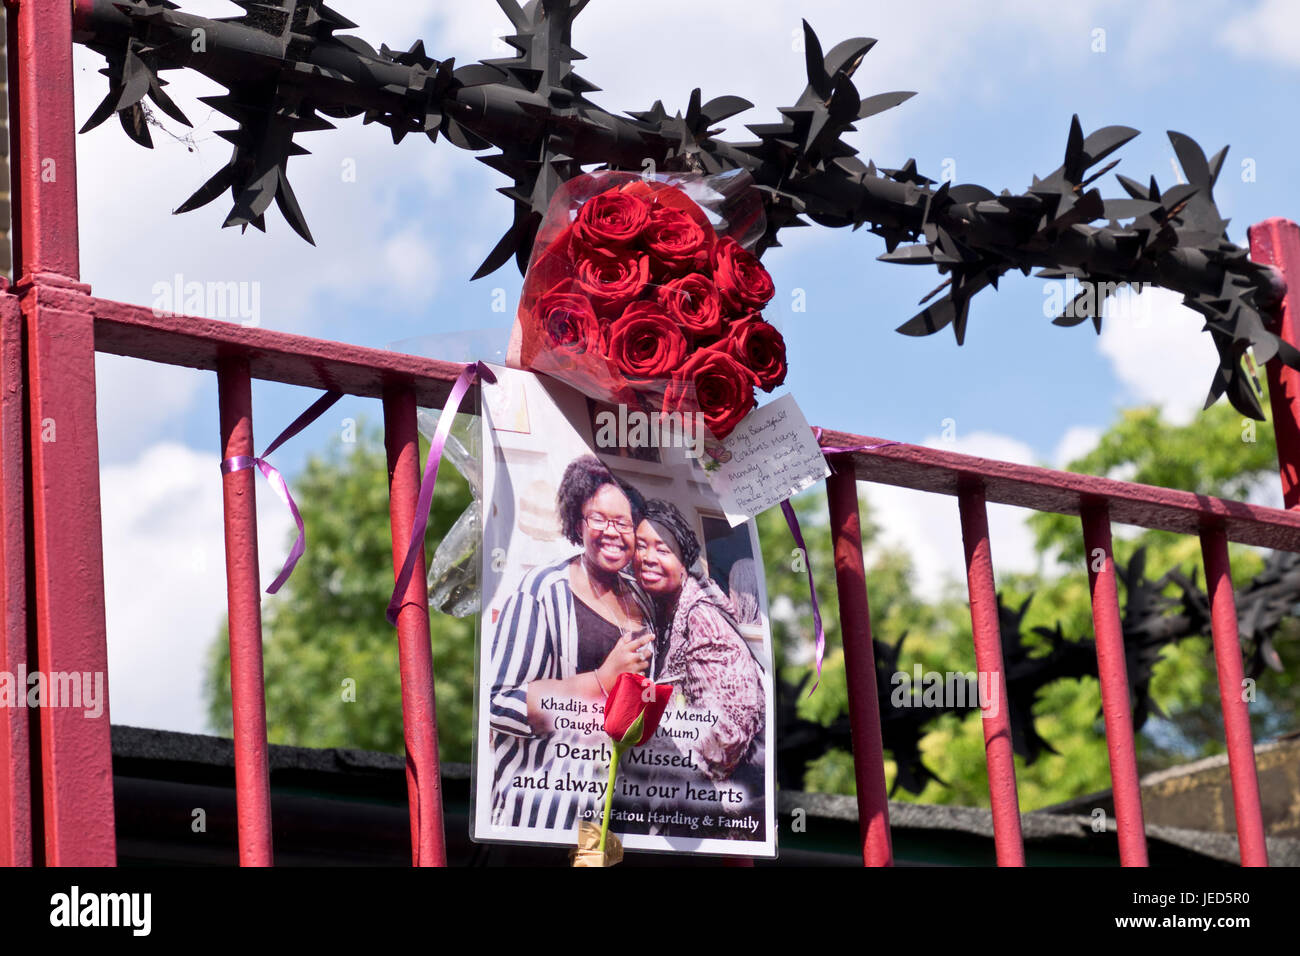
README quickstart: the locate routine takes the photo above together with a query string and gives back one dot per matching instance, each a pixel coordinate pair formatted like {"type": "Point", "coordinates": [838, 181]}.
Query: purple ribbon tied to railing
{"type": "Point", "coordinates": [277, 482]}
{"type": "Point", "coordinates": [429, 481]}
{"type": "Point", "coordinates": [796, 532]}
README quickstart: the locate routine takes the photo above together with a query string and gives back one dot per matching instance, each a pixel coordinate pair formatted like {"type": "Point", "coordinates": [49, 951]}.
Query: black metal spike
{"type": "Point", "coordinates": [819, 79]}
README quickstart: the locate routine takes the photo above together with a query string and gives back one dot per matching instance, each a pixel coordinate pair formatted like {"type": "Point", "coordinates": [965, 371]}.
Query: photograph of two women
{"type": "Point", "coordinates": [598, 561]}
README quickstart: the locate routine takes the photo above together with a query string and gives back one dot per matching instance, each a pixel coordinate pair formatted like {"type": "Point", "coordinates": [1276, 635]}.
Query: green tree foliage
{"type": "Point", "coordinates": [326, 639]}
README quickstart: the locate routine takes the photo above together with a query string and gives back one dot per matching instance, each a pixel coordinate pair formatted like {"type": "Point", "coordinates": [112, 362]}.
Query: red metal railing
{"type": "Point", "coordinates": [64, 760]}
{"type": "Point", "coordinates": [1098, 502]}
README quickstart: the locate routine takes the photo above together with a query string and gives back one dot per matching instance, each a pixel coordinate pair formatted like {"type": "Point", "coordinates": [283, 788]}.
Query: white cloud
{"type": "Point", "coordinates": [135, 399]}
{"type": "Point", "coordinates": [411, 262]}
{"type": "Point", "coordinates": [165, 580]}
{"type": "Point", "coordinates": [1267, 492]}
{"type": "Point", "coordinates": [130, 240]}
{"type": "Point", "coordinates": [1157, 350]}
{"type": "Point", "coordinates": [986, 445]}
{"type": "Point", "coordinates": [1269, 30]}
{"type": "Point", "coordinates": [928, 526]}
{"type": "Point", "coordinates": [1076, 442]}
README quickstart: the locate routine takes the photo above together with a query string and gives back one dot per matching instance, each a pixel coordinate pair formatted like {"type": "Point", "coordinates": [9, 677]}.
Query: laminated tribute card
{"type": "Point", "coordinates": [608, 562]}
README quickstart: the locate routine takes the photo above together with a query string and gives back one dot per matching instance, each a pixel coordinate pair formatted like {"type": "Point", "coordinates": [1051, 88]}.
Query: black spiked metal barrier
{"type": "Point", "coordinates": [286, 67]}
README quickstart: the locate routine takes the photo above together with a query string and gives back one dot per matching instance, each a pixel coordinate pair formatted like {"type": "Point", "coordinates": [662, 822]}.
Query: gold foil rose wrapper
{"type": "Point", "coordinates": [587, 852]}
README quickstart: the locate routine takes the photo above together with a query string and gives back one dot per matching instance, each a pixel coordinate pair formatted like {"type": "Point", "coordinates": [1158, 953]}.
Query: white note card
{"type": "Point", "coordinates": [771, 455]}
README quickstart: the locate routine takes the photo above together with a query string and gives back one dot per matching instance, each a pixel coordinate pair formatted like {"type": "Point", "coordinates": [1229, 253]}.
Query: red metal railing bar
{"type": "Point", "coordinates": [1007, 839]}
{"type": "Point", "coordinates": [136, 332]}
{"type": "Point", "coordinates": [860, 669]}
{"type": "Point", "coordinates": [1113, 673]}
{"type": "Point", "coordinates": [1276, 242]}
{"type": "Point", "coordinates": [415, 653]}
{"type": "Point", "coordinates": [15, 753]}
{"type": "Point", "coordinates": [1236, 714]}
{"type": "Point", "coordinates": [244, 604]}
{"type": "Point", "coordinates": [1042, 489]}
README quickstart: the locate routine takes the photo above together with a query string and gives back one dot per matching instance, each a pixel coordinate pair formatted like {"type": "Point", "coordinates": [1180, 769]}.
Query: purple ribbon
{"type": "Point", "coordinates": [415, 546]}
{"type": "Point", "coordinates": [278, 485]}
{"type": "Point", "coordinates": [793, 521]}
{"type": "Point", "coordinates": [848, 449]}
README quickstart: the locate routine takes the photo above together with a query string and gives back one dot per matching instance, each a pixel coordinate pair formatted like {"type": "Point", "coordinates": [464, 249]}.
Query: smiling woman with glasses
{"type": "Point", "coordinates": [562, 638]}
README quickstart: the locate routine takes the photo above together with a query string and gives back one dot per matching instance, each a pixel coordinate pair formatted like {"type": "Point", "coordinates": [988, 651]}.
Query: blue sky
{"type": "Point", "coordinates": [997, 83]}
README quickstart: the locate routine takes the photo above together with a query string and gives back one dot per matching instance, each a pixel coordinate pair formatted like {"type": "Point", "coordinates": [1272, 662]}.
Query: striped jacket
{"type": "Point", "coordinates": [536, 638]}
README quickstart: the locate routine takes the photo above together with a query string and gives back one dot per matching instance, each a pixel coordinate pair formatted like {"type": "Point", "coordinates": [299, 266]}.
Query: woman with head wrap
{"type": "Point", "coordinates": [698, 643]}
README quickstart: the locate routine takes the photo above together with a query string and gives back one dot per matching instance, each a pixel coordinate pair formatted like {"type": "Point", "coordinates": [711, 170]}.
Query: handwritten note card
{"type": "Point", "coordinates": [770, 456]}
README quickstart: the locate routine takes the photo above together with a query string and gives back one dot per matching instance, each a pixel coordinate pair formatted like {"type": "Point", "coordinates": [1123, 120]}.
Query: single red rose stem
{"type": "Point", "coordinates": [630, 739]}
{"type": "Point", "coordinates": [609, 797]}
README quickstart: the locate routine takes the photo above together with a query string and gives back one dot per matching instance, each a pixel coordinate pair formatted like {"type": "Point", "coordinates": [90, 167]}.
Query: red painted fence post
{"type": "Point", "coordinates": [15, 745]}
{"type": "Point", "coordinates": [73, 814]}
{"type": "Point", "coordinates": [244, 607]}
{"type": "Point", "coordinates": [1005, 803]}
{"type": "Point", "coordinates": [1113, 673]}
{"type": "Point", "coordinates": [42, 130]}
{"type": "Point", "coordinates": [859, 667]}
{"type": "Point", "coordinates": [1236, 715]}
{"type": "Point", "coordinates": [415, 652]}
{"type": "Point", "coordinates": [1276, 242]}
{"type": "Point", "coordinates": [75, 744]}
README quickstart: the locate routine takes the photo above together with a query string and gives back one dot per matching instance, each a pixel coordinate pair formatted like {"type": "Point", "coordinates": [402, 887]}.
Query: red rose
{"type": "Point", "coordinates": [741, 279]}
{"type": "Point", "coordinates": [611, 220]}
{"type": "Point", "coordinates": [717, 386]}
{"type": "Point", "coordinates": [759, 347]}
{"type": "Point", "coordinates": [693, 301]}
{"type": "Point", "coordinates": [612, 281]}
{"type": "Point", "coordinates": [676, 242]}
{"type": "Point", "coordinates": [634, 696]}
{"type": "Point", "coordinates": [645, 343]}
{"type": "Point", "coordinates": [567, 322]}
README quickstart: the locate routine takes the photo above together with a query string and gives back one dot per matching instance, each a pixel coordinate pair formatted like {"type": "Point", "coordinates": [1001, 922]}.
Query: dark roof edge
{"type": "Point", "coordinates": [143, 743]}
{"type": "Point", "coordinates": [168, 746]}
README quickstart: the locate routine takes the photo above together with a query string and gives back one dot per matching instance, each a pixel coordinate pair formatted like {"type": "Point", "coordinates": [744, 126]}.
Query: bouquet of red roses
{"type": "Point", "coordinates": [634, 295]}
